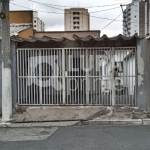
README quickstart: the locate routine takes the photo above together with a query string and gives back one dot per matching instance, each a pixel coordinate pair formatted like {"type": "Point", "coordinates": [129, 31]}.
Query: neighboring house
{"type": "Point", "coordinates": [24, 23]}
{"type": "Point", "coordinates": [135, 18]}
{"type": "Point", "coordinates": [77, 19]}
{"type": "Point", "coordinates": [67, 34]}
{"type": "Point", "coordinates": [23, 30]}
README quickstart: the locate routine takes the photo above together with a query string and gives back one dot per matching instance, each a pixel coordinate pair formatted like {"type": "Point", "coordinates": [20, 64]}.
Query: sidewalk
{"type": "Point", "coordinates": [57, 113]}
{"type": "Point", "coordinates": [79, 115]}
{"type": "Point", "coordinates": [120, 116]}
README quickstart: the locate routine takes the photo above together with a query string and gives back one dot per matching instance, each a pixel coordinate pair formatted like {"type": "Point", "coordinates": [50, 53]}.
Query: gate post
{"type": "Point", "coordinates": [112, 75]}
{"type": "Point", "coordinates": [64, 75]}
{"type": "Point", "coordinates": [87, 77]}
{"type": "Point", "coordinates": [40, 75]}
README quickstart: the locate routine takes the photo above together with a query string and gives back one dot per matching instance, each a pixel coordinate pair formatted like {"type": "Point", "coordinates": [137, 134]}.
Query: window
{"type": "Point", "coordinates": [34, 21]}
{"type": "Point", "coordinates": [34, 25]}
{"type": "Point", "coordinates": [76, 13]}
{"type": "Point", "coordinates": [74, 18]}
{"type": "Point", "coordinates": [76, 22]}
{"type": "Point", "coordinates": [76, 27]}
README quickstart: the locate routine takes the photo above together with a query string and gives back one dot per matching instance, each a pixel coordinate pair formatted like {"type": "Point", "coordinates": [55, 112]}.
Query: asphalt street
{"type": "Point", "coordinates": [88, 138]}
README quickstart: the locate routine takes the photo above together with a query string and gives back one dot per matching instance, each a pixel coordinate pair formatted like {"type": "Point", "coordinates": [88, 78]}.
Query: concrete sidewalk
{"type": "Point", "coordinates": [120, 116]}
{"type": "Point", "coordinates": [79, 115]}
{"type": "Point", "coordinates": [49, 114]}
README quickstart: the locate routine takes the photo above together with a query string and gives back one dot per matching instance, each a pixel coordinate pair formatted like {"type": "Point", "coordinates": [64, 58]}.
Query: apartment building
{"type": "Point", "coordinates": [76, 19]}
{"type": "Point", "coordinates": [38, 24]}
{"type": "Point", "coordinates": [135, 18]}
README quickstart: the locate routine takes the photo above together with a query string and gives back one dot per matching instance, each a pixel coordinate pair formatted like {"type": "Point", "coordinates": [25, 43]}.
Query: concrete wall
{"type": "Point", "coordinates": [68, 34]}
{"type": "Point", "coordinates": [14, 73]}
{"type": "Point", "coordinates": [143, 79]}
{"type": "Point", "coordinates": [0, 79]}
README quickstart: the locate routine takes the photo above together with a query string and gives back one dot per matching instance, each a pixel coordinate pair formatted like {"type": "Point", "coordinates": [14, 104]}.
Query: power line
{"type": "Point", "coordinates": [111, 22]}
{"type": "Point", "coordinates": [61, 13]}
{"type": "Point", "coordinates": [69, 12]}
{"type": "Point", "coordinates": [65, 13]}
{"type": "Point", "coordinates": [48, 5]}
{"type": "Point", "coordinates": [84, 7]}
{"type": "Point", "coordinates": [104, 10]}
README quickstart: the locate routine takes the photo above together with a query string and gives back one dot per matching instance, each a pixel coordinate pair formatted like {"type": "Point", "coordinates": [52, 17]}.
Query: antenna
{"type": "Point", "coordinates": [78, 3]}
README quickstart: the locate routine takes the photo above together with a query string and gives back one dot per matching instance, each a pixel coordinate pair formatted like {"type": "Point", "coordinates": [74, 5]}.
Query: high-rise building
{"type": "Point", "coordinates": [38, 24]}
{"type": "Point", "coordinates": [77, 19]}
{"type": "Point", "coordinates": [135, 18]}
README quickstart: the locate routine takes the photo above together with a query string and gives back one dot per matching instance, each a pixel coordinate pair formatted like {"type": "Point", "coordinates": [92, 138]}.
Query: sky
{"type": "Point", "coordinates": [55, 21]}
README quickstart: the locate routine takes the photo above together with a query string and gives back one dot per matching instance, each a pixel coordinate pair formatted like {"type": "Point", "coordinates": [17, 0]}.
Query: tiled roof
{"type": "Point", "coordinates": [76, 38]}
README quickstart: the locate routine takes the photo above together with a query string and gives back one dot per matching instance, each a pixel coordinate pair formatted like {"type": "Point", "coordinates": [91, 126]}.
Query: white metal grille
{"type": "Point", "coordinates": [76, 76]}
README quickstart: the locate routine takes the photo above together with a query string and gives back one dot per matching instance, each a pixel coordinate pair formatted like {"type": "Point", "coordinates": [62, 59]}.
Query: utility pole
{"type": "Point", "coordinates": [147, 17]}
{"type": "Point", "coordinates": [6, 61]}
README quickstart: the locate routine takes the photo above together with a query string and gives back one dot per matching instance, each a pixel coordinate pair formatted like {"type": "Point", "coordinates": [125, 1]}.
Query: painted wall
{"type": "Point", "coordinates": [27, 34]}
{"type": "Point", "coordinates": [21, 17]}
{"type": "Point", "coordinates": [66, 34]}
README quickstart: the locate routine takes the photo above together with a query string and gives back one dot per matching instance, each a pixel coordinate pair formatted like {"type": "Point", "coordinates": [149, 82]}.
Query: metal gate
{"type": "Point", "coordinates": [77, 76]}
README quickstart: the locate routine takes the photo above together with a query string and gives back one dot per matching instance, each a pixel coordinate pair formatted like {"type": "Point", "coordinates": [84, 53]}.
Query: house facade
{"type": "Point", "coordinates": [81, 72]}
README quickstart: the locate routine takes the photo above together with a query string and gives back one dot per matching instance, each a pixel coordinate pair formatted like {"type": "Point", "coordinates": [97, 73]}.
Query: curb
{"type": "Point", "coordinates": [39, 124]}
{"type": "Point", "coordinates": [109, 122]}
{"type": "Point", "coordinates": [117, 122]}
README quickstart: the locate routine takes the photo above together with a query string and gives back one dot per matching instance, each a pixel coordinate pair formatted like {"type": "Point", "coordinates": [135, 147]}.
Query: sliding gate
{"type": "Point", "coordinates": [77, 76]}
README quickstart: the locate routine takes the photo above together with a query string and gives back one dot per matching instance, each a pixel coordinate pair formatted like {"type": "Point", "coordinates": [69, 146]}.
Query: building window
{"type": "Point", "coordinates": [34, 21]}
{"type": "Point", "coordinates": [76, 18]}
{"type": "Point", "coordinates": [76, 22]}
{"type": "Point", "coordinates": [76, 27]}
{"type": "Point", "coordinates": [76, 13]}
{"type": "Point", "coordinates": [34, 25]}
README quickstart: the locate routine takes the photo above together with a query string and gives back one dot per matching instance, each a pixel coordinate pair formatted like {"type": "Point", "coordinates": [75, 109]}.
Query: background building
{"type": "Point", "coordinates": [76, 19]}
{"type": "Point", "coordinates": [38, 24]}
{"type": "Point", "coordinates": [24, 23]}
{"type": "Point", "coordinates": [135, 18]}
